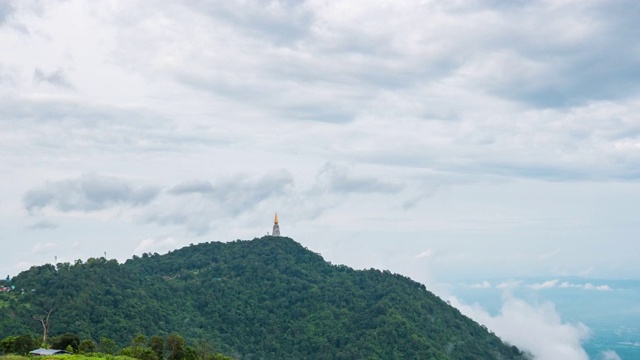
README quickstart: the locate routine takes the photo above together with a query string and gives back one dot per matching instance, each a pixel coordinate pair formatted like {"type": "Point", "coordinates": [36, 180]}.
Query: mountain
{"type": "Point", "coordinates": [267, 298]}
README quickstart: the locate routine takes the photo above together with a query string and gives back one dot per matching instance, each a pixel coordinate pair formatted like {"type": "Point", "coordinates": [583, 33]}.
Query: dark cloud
{"type": "Point", "coordinates": [600, 65]}
{"type": "Point", "coordinates": [56, 78]}
{"type": "Point", "coordinates": [196, 204]}
{"type": "Point", "coordinates": [336, 179]}
{"type": "Point", "coordinates": [240, 194]}
{"type": "Point", "coordinates": [88, 193]}
{"type": "Point", "coordinates": [237, 188]}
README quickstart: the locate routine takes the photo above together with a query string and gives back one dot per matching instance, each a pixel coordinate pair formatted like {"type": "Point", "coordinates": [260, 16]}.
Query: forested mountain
{"type": "Point", "coordinates": [268, 298]}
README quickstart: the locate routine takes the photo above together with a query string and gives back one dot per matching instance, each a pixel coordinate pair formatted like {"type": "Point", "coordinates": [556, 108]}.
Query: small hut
{"type": "Point", "coordinates": [47, 352]}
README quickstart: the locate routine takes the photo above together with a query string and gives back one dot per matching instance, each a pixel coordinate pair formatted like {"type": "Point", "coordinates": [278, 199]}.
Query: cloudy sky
{"type": "Point", "coordinates": [446, 140]}
{"type": "Point", "coordinates": [439, 139]}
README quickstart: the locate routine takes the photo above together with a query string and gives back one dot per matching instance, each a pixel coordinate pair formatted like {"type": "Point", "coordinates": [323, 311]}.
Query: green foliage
{"type": "Point", "coordinates": [139, 349]}
{"type": "Point", "coordinates": [156, 344]}
{"type": "Point", "coordinates": [18, 344]}
{"type": "Point", "coordinates": [87, 346]}
{"type": "Point", "coordinates": [68, 342]}
{"type": "Point", "coordinates": [107, 346]}
{"type": "Point", "coordinates": [268, 298]}
{"type": "Point", "coordinates": [93, 356]}
{"type": "Point", "coordinates": [175, 347]}
{"type": "Point", "coordinates": [13, 357]}
{"type": "Point", "coordinates": [147, 354]}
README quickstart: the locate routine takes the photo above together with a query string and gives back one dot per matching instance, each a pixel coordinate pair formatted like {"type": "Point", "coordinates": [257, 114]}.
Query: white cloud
{"type": "Point", "coordinates": [566, 284]}
{"type": "Point", "coordinates": [155, 245]}
{"type": "Point", "coordinates": [545, 285]}
{"type": "Point", "coordinates": [589, 286]}
{"type": "Point", "coordinates": [43, 248]}
{"type": "Point", "coordinates": [536, 329]}
{"type": "Point", "coordinates": [609, 355]}
{"type": "Point", "coordinates": [425, 254]}
{"type": "Point", "coordinates": [509, 284]}
{"type": "Point", "coordinates": [483, 285]}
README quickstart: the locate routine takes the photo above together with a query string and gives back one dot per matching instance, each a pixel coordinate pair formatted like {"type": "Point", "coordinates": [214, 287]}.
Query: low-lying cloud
{"type": "Point", "coordinates": [545, 285]}
{"type": "Point", "coordinates": [609, 355]}
{"type": "Point", "coordinates": [535, 329]}
{"type": "Point", "coordinates": [555, 283]}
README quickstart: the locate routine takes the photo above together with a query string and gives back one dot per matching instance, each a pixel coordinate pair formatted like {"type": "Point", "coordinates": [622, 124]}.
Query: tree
{"type": "Point", "coordinates": [138, 344]}
{"type": "Point", "coordinates": [190, 354]}
{"type": "Point", "coordinates": [7, 345]}
{"type": "Point", "coordinates": [44, 321]}
{"type": "Point", "coordinates": [147, 354]}
{"type": "Point", "coordinates": [87, 346]}
{"type": "Point", "coordinates": [203, 349]}
{"type": "Point", "coordinates": [66, 341]}
{"type": "Point", "coordinates": [107, 346]}
{"type": "Point", "coordinates": [139, 349]}
{"type": "Point", "coordinates": [176, 347]}
{"type": "Point", "coordinates": [24, 344]}
{"type": "Point", "coordinates": [266, 298]}
{"type": "Point", "coordinates": [156, 343]}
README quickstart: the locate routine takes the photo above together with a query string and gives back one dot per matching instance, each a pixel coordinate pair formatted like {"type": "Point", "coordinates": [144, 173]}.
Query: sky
{"type": "Point", "coordinates": [440, 139]}
{"type": "Point", "coordinates": [444, 140]}
{"type": "Point", "coordinates": [437, 139]}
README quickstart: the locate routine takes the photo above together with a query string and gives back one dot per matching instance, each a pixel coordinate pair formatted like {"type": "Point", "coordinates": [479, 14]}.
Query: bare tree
{"type": "Point", "coordinates": [44, 320]}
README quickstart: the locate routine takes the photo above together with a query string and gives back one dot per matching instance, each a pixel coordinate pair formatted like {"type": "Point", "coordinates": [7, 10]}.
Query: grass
{"type": "Point", "coordinates": [68, 357]}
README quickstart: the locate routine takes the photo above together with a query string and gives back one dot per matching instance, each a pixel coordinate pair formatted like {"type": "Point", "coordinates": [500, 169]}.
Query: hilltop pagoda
{"type": "Point", "coordinates": [276, 227]}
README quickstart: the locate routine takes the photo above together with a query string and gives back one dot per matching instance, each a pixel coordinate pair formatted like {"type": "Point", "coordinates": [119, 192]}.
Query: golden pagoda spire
{"type": "Point", "coordinates": [276, 227]}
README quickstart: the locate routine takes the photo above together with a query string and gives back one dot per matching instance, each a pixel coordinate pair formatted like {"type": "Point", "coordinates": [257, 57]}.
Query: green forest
{"type": "Point", "coordinates": [267, 298]}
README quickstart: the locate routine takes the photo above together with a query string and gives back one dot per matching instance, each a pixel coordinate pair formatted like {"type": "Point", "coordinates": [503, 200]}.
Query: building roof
{"type": "Point", "coordinates": [47, 352]}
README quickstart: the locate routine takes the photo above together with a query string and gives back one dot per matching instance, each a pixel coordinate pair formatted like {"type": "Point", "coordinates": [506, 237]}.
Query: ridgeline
{"type": "Point", "coordinates": [268, 298]}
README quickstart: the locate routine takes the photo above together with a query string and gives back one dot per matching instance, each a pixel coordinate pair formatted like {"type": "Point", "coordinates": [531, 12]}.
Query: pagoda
{"type": "Point", "coordinates": [276, 227]}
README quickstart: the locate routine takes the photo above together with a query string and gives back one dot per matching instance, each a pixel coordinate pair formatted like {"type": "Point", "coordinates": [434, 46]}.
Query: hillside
{"type": "Point", "coordinates": [265, 298]}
